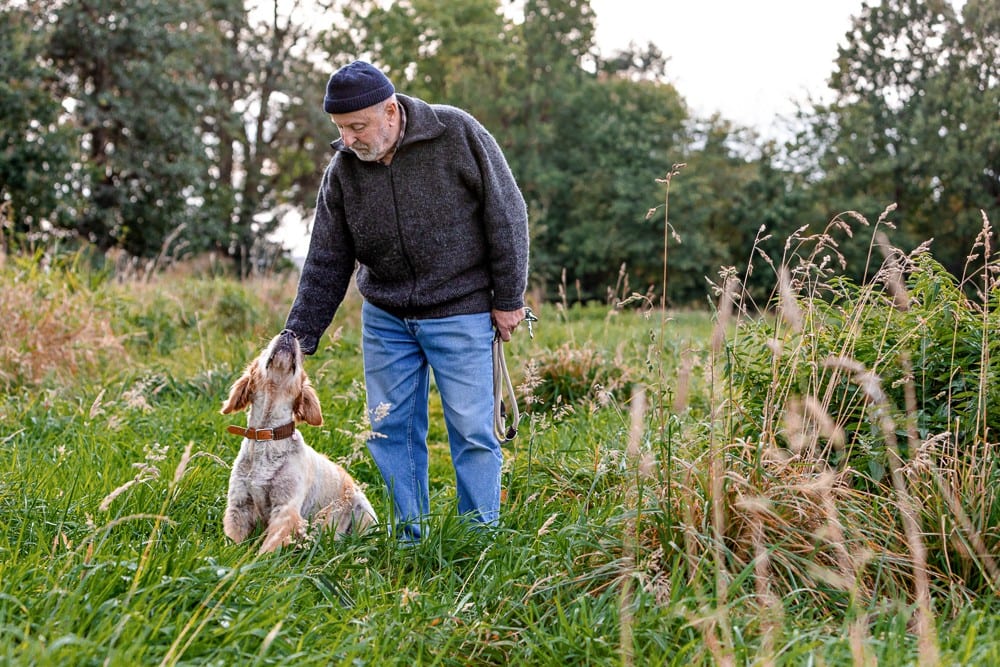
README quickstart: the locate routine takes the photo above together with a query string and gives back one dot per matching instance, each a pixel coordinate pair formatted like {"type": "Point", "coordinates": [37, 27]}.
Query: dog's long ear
{"type": "Point", "coordinates": [242, 392]}
{"type": "Point", "coordinates": [306, 407]}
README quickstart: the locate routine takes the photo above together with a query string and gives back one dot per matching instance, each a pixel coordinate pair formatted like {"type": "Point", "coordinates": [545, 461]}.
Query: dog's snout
{"type": "Point", "coordinates": [283, 352]}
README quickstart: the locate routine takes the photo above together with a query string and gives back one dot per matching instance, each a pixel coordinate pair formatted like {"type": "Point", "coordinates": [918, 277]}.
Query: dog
{"type": "Point", "coordinates": [277, 479]}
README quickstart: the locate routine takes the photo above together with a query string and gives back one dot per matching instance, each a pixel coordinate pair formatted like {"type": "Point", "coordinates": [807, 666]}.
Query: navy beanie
{"type": "Point", "coordinates": [356, 86]}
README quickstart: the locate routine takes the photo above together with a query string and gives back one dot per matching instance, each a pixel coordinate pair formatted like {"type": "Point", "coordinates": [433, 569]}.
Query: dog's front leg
{"type": "Point", "coordinates": [240, 517]}
{"type": "Point", "coordinates": [238, 521]}
{"type": "Point", "coordinates": [286, 495]}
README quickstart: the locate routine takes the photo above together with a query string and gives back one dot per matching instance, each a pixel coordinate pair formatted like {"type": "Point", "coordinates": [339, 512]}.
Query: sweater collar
{"type": "Point", "coordinates": [422, 123]}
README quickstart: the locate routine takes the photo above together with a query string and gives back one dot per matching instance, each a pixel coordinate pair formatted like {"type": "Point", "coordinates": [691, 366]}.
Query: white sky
{"type": "Point", "coordinates": [746, 59]}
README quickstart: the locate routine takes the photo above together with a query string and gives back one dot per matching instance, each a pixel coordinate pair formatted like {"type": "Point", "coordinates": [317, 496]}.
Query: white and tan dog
{"type": "Point", "coordinates": [277, 479]}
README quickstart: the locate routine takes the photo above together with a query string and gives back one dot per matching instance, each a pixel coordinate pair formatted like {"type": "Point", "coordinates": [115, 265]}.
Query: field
{"type": "Point", "coordinates": [817, 485]}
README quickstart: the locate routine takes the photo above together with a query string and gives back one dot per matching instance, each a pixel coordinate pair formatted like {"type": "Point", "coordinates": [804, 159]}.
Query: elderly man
{"type": "Point", "coordinates": [419, 198]}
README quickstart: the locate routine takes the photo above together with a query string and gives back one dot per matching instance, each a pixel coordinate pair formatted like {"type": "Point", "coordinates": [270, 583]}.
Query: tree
{"type": "Point", "coordinates": [614, 137]}
{"type": "Point", "coordinates": [448, 53]}
{"type": "Point", "coordinates": [265, 129]}
{"type": "Point", "coordinates": [551, 46]}
{"type": "Point", "coordinates": [127, 74]}
{"type": "Point", "coordinates": [188, 125]}
{"type": "Point", "coordinates": [34, 145]}
{"type": "Point", "coordinates": [970, 164]}
{"type": "Point", "coordinates": [914, 123]}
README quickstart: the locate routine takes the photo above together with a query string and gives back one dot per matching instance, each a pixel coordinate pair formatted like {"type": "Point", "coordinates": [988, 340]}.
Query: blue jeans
{"type": "Point", "coordinates": [398, 356]}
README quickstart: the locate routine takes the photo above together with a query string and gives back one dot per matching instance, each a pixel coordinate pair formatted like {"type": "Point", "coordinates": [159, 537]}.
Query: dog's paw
{"type": "Point", "coordinates": [275, 540]}
{"type": "Point", "coordinates": [282, 530]}
{"type": "Point", "coordinates": [235, 528]}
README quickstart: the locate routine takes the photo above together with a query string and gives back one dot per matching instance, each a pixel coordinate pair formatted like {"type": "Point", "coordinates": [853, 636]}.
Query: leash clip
{"type": "Point", "coordinates": [530, 318]}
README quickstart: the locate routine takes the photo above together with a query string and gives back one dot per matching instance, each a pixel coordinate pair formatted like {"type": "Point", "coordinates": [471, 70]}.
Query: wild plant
{"type": "Point", "coordinates": [55, 324]}
{"type": "Point", "coordinates": [845, 455]}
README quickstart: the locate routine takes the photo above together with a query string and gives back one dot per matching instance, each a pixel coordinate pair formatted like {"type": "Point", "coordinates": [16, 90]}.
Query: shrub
{"type": "Point", "coordinates": [573, 373]}
{"type": "Point", "coordinates": [913, 326]}
{"type": "Point", "coordinates": [847, 461]}
{"type": "Point", "coordinates": [869, 404]}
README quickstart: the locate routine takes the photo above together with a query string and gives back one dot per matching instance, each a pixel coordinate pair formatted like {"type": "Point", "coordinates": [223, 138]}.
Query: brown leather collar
{"type": "Point", "coordinates": [276, 433]}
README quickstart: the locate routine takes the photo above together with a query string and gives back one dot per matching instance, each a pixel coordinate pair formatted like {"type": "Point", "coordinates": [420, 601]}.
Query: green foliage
{"type": "Point", "coordinates": [859, 381]}
{"type": "Point", "coordinates": [129, 69]}
{"type": "Point", "coordinates": [572, 374]}
{"type": "Point", "coordinates": [160, 129]}
{"type": "Point", "coordinates": [33, 144]}
{"type": "Point", "coordinates": [938, 345]}
{"type": "Point", "coordinates": [234, 313]}
{"type": "Point", "coordinates": [591, 218]}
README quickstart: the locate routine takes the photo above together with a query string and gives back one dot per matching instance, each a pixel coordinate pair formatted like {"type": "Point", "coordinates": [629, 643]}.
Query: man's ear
{"type": "Point", "coordinates": [242, 392]}
{"type": "Point", "coordinates": [392, 110]}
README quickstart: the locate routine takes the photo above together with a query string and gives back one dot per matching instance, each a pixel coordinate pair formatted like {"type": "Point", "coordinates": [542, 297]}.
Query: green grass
{"type": "Point", "coordinates": [592, 563]}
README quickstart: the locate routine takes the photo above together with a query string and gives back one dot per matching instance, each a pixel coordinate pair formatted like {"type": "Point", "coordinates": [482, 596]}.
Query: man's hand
{"type": "Point", "coordinates": [506, 321]}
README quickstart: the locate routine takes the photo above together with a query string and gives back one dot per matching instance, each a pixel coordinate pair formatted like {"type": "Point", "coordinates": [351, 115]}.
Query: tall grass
{"type": "Point", "coordinates": [849, 465]}
{"type": "Point", "coordinates": [746, 488]}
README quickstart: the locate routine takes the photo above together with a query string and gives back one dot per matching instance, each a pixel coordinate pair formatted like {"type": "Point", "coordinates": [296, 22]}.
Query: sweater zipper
{"type": "Point", "coordinates": [401, 238]}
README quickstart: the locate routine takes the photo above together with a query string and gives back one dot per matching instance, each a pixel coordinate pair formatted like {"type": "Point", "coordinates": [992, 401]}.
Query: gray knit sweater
{"type": "Point", "coordinates": [442, 230]}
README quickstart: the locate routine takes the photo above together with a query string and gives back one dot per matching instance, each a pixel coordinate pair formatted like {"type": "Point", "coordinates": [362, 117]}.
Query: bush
{"type": "Point", "coordinates": [573, 373]}
{"type": "Point", "coordinates": [914, 327]}
{"type": "Point", "coordinates": [864, 401]}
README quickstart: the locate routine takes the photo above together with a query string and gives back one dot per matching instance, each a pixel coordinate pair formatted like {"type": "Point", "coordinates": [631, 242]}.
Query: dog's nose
{"type": "Point", "coordinates": [285, 332]}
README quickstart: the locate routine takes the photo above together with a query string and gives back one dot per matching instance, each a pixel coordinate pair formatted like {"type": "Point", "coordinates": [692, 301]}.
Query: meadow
{"type": "Point", "coordinates": [805, 478]}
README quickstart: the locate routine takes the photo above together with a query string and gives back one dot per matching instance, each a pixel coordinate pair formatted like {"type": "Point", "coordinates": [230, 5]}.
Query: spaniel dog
{"type": "Point", "coordinates": [277, 479]}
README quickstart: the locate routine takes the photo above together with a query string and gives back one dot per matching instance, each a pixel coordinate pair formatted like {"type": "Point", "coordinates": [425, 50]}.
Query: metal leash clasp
{"type": "Point", "coordinates": [530, 318]}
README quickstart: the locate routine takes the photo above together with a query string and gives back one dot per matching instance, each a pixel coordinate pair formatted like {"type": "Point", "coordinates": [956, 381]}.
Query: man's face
{"type": "Point", "coordinates": [368, 132]}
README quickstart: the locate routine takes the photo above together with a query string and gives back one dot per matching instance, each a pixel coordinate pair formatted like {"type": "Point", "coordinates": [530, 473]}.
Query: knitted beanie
{"type": "Point", "coordinates": [356, 86]}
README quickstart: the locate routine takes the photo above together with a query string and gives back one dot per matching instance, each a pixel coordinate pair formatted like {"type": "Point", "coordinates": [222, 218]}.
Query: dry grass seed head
{"type": "Point", "coordinates": [789, 305]}
{"type": "Point", "coordinates": [727, 303]}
